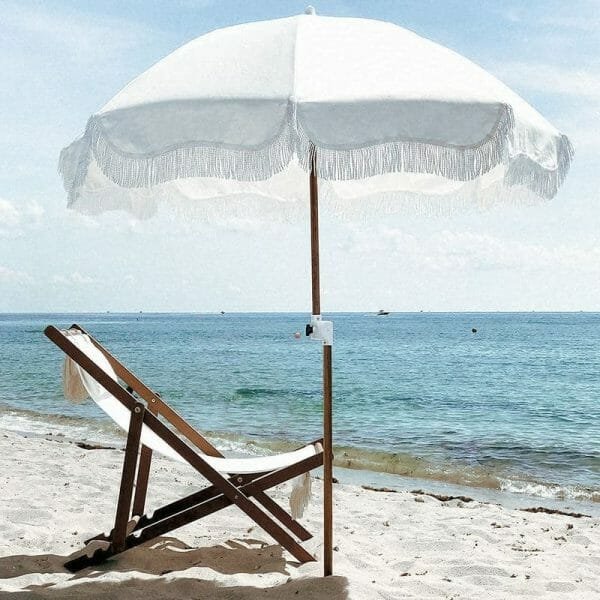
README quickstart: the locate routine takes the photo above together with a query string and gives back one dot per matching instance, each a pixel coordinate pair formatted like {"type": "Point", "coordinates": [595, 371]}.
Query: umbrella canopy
{"type": "Point", "coordinates": [240, 110]}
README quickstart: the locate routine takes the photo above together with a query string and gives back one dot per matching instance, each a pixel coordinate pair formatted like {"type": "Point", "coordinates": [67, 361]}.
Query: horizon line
{"type": "Point", "coordinates": [293, 312]}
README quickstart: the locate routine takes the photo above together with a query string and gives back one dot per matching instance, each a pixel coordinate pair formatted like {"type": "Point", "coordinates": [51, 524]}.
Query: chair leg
{"type": "Point", "coordinates": [141, 483]}
{"type": "Point", "coordinates": [127, 478]}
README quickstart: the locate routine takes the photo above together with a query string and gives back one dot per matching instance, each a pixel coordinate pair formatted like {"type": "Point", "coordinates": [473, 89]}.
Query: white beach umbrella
{"type": "Point", "coordinates": [371, 111]}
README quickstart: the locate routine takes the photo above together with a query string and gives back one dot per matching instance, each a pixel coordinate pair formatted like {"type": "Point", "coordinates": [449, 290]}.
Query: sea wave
{"type": "Point", "coordinates": [246, 392]}
{"type": "Point", "coordinates": [32, 422]}
{"type": "Point", "coordinates": [403, 464]}
{"type": "Point", "coordinates": [550, 490]}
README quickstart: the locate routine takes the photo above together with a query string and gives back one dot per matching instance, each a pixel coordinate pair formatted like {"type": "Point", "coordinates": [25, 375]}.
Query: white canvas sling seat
{"type": "Point", "coordinates": [153, 426]}
{"type": "Point", "coordinates": [121, 416]}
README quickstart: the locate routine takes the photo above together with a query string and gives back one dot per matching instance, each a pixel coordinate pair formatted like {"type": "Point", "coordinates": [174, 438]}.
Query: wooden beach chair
{"type": "Point", "coordinates": [140, 411]}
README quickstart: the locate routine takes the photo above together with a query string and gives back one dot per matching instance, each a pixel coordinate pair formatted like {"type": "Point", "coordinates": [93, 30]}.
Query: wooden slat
{"type": "Point", "coordinates": [141, 482]}
{"type": "Point", "coordinates": [127, 477]}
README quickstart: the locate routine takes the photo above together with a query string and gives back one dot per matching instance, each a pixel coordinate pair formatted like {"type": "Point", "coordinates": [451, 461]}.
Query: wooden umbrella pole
{"type": "Point", "coordinates": [314, 236]}
{"type": "Point", "coordinates": [327, 377]}
{"type": "Point", "coordinates": [327, 464]}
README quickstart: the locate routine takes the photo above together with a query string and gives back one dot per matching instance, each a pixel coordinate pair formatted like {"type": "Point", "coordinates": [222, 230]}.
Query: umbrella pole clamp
{"type": "Point", "coordinates": [320, 330]}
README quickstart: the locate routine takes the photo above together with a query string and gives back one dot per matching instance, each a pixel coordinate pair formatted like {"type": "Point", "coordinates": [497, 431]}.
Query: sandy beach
{"type": "Point", "coordinates": [387, 544]}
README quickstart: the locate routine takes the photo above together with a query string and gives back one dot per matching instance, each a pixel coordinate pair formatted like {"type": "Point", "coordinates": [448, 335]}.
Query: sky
{"type": "Point", "coordinates": [60, 61]}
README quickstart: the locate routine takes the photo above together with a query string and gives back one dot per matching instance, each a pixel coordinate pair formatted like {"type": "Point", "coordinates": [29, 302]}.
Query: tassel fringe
{"type": "Point", "coordinates": [300, 495]}
{"type": "Point", "coordinates": [459, 163]}
{"type": "Point", "coordinates": [73, 388]}
{"type": "Point", "coordinates": [543, 182]}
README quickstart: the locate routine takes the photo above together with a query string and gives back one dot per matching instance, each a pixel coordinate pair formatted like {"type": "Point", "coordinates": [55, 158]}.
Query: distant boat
{"type": "Point", "coordinates": [381, 312]}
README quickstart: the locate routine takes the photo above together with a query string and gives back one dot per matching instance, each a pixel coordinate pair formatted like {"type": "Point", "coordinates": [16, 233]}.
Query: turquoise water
{"type": "Point", "coordinates": [514, 406]}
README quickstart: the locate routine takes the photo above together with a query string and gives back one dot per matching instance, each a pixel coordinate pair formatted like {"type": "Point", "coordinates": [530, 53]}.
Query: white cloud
{"type": "Point", "coordinates": [466, 251]}
{"type": "Point", "coordinates": [585, 19]}
{"type": "Point", "coordinates": [580, 89]}
{"type": "Point", "coordinates": [583, 128]}
{"type": "Point", "coordinates": [9, 215]}
{"type": "Point", "coordinates": [14, 219]}
{"type": "Point", "coordinates": [511, 14]}
{"type": "Point", "coordinates": [576, 22]}
{"type": "Point", "coordinates": [551, 79]}
{"type": "Point", "coordinates": [75, 278]}
{"type": "Point", "coordinates": [11, 276]}
{"type": "Point", "coordinates": [79, 220]}
{"type": "Point", "coordinates": [33, 212]}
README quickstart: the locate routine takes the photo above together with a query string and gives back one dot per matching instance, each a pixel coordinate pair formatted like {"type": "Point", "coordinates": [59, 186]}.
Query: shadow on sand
{"type": "Point", "coordinates": [165, 556]}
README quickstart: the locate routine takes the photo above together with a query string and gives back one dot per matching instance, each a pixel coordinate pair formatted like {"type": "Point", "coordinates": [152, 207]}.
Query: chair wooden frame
{"type": "Point", "coordinates": [132, 526]}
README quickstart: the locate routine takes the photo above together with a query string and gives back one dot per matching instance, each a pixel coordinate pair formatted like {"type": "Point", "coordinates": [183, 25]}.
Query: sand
{"type": "Point", "coordinates": [388, 545]}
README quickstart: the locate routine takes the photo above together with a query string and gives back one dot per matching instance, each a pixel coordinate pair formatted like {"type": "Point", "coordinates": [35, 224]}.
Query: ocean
{"type": "Point", "coordinates": [513, 406]}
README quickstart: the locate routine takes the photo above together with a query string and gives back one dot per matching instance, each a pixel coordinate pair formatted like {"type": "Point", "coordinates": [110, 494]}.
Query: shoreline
{"type": "Point", "coordinates": [379, 467]}
{"type": "Point", "coordinates": [364, 478]}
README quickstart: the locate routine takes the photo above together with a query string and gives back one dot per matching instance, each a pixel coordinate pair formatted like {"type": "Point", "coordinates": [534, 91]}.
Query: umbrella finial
{"type": "Point", "coordinates": [310, 10]}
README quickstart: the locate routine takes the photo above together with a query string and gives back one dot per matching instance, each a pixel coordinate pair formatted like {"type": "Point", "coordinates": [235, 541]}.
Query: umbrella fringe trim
{"type": "Point", "coordinates": [523, 171]}
{"type": "Point", "coordinates": [195, 160]}
{"type": "Point", "coordinates": [459, 163]}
